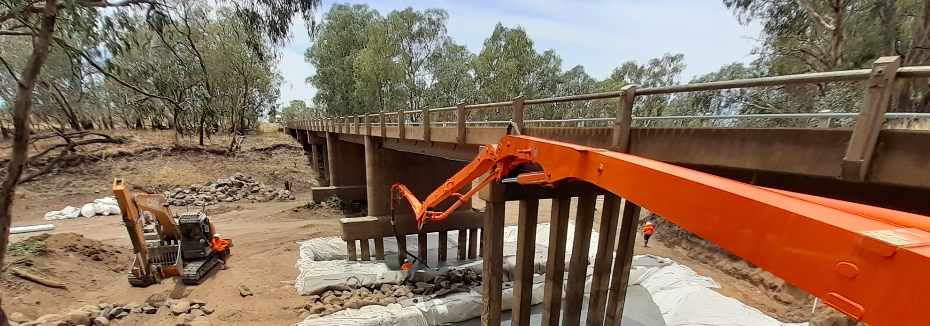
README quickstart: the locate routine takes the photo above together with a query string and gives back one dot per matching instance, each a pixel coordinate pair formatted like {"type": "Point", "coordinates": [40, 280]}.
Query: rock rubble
{"type": "Point", "coordinates": [238, 187]}
{"type": "Point", "coordinates": [189, 312]}
{"type": "Point", "coordinates": [332, 301]}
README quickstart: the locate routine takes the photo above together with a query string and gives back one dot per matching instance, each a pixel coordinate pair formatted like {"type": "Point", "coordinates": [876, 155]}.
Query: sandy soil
{"type": "Point", "coordinates": [265, 236]}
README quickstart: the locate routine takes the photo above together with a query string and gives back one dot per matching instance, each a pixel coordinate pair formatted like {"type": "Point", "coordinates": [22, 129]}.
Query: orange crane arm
{"type": "Point", "coordinates": [869, 263]}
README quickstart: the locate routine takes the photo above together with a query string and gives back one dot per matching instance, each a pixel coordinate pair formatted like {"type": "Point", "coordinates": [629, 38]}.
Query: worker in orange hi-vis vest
{"type": "Point", "coordinates": [220, 246]}
{"type": "Point", "coordinates": [648, 230]}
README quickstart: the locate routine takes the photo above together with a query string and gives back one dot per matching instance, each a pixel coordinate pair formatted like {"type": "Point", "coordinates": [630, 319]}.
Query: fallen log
{"type": "Point", "coordinates": [38, 279]}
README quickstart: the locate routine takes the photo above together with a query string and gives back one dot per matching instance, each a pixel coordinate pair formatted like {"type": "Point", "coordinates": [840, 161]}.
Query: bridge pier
{"type": "Point", "coordinates": [346, 171]}
{"type": "Point", "coordinates": [420, 173]}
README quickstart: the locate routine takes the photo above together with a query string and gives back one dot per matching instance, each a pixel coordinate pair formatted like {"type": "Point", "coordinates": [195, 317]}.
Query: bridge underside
{"type": "Point", "coordinates": [801, 160]}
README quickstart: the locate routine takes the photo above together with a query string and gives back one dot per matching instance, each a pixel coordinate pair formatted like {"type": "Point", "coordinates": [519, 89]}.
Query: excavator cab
{"type": "Point", "coordinates": [196, 234]}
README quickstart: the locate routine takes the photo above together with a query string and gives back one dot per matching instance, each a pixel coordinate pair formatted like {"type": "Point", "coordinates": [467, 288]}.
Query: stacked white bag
{"type": "Point", "coordinates": [101, 206]}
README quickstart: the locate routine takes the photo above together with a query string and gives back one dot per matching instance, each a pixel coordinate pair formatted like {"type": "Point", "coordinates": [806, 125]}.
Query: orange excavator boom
{"type": "Point", "coordinates": [869, 263]}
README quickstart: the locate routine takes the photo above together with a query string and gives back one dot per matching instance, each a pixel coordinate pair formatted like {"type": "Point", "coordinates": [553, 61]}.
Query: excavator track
{"type": "Point", "coordinates": [195, 271]}
{"type": "Point", "coordinates": [139, 282]}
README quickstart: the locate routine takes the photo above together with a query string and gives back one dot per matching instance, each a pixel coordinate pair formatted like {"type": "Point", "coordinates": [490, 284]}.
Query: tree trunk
{"type": "Point", "coordinates": [21, 107]}
{"type": "Point", "coordinates": [203, 128]}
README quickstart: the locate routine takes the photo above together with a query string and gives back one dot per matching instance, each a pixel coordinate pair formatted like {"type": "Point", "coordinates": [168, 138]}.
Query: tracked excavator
{"type": "Point", "coordinates": [869, 263]}
{"type": "Point", "coordinates": [166, 245]}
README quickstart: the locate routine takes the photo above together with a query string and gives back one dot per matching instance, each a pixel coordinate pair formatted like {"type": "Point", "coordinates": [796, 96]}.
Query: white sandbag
{"type": "Point", "coordinates": [106, 201]}
{"type": "Point", "coordinates": [71, 212]}
{"type": "Point", "coordinates": [54, 215]}
{"type": "Point", "coordinates": [98, 209]}
{"type": "Point", "coordinates": [88, 210]}
{"type": "Point", "coordinates": [104, 209]}
{"type": "Point", "coordinates": [114, 210]}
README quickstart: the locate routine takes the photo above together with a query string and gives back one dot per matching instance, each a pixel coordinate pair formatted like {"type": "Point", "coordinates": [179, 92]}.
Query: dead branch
{"type": "Point", "coordinates": [70, 145]}
{"type": "Point", "coordinates": [9, 70]}
{"type": "Point", "coordinates": [36, 278]}
{"type": "Point", "coordinates": [67, 148]}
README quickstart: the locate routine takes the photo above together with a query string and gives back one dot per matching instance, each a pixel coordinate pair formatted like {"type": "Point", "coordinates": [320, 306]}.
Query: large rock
{"type": "Point", "coordinates": [78, 318]}
{"type": "Point", "coordinates": [91, 310]}
{"type": "Point", "coordinates": [180, 307]}
{"type": "Point", "coordinates": [114, 312]}
{"type": "Point", "coordinates": [182, 320]}
{"type": "Point", "coordinates": [18, 318]}
{"type": "Point", "coordinates": [244, 290]}
{"type": "Point", "coordinates": [201, 321]}
{"type": "Point", "coordinates": [52, 318]}
{"type": "Point", "coordinates": [206, 309]}
{"type": "Point", "coordinates": [100, 321]}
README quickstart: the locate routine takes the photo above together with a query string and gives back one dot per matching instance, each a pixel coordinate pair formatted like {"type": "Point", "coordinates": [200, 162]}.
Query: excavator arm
{"type": "Point", "coordinates": [867, 262]}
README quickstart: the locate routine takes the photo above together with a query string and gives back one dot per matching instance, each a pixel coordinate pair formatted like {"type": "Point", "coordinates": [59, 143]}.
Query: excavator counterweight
{"type": "Point", "coordinates": [867, 262]}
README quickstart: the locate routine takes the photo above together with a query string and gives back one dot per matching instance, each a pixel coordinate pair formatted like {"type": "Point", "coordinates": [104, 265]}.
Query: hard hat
{"type": "Point", "coordinates": [216, 235]}
{"type": "Point", "coordinates": [647, 223]}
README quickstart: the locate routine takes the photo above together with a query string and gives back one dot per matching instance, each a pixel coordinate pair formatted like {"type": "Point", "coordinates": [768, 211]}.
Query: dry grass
{"type": "Point", "coordinates": [270, 127]}
{"type": "Point", "coordinates": [136, 140]}
{"type": "Point", "coordinates": [157, 160]}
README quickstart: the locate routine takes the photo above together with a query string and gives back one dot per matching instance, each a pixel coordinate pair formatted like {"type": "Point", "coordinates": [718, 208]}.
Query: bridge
{"type": "Point", "coordinates": [872, 156]}
{"type": "Point", "coordinates": [869, 156]}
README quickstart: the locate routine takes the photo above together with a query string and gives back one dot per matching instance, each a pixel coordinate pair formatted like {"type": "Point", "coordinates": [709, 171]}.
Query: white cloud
{"type": "Point", "coordinates": [598, 34]}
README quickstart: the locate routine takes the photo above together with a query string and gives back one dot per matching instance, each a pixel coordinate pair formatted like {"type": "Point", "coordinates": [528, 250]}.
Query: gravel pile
{"type": "Point", "coordinates": [237, 187]}
{"type": "Point", "coordinates": [189, 312]}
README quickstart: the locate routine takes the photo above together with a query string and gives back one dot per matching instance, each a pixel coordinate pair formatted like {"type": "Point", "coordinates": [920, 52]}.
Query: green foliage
{"type": "Point", "coordinates": [339, 39]}
{"type": "Point", "coordinates": [334, 202]}
{"type": "Point", "coordinates": [188, 65]}
{"type": "Point", "coordinates": [366, 63]}
{"type": "Point", "coordinates": [811, 36]}
{"type": "Point", "coordinates": [297, 110]}
{"type": "Point", "coordinates": [28, 247]}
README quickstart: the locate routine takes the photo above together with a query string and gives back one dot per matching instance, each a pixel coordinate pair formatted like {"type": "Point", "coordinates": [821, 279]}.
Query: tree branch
{"type": "Point", "coordinates": [15, 33]}
{"type": "Point", "coordinates": [9, 70]}
{"type": "Point", "coordinates": [817, 18]}
{"type": "Point", "coordinates": [32, 8]}
{"type": "Point", "coordinates": [71, 145]}
{"type": "Point", "coordinates": [117, 79]}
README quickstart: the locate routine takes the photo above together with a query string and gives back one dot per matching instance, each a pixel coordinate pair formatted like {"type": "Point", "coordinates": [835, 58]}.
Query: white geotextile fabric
{"type": "Point", "coordinates": [392, 314]}
{"type": "Point", "coordinates": [683, 296]}
{"type": "Point", "coordinates": [686, 298]}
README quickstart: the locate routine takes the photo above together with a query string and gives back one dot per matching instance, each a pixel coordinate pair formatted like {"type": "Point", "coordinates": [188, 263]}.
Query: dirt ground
{"type": "Point", "coordinates": [92, 255]}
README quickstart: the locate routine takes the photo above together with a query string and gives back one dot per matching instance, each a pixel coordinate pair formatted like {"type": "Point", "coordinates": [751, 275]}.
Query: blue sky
{"type": "Point", "coordinates": [598, 34]}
